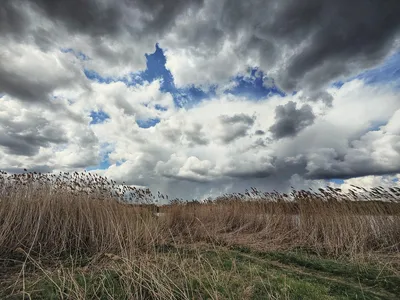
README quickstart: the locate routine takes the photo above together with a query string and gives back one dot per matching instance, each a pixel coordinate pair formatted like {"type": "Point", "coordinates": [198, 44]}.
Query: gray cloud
{"type": "Point", "coordinates": [188, 177]}
{"type": "Point", "coordinates": [240, 118]}
{"type": "Point", "coordinates": [195, 136]}
{"type": "Point", "coordinates": [98, 28]}
{"type": "Point", "coordinates": [365, 156]}
{"type": "Point", "coordinates": [25, 137]}
{"type": "Point", "coordinates": [334, 35]}
{"type": "Point", "coordinates": [250, 174]}
{"type": "Point", "coordinates": [93, 17]}
{"type": "Point", "coordinates": [235, 126]}
{"type": "Point", "coordinates": [289, 120]}
{"type": "Point", "coordinates": [27, 88]}
{"type": "Point", "coordinates": [337, 33]}
{"type": "Point", "coordinates": [307, 44]}
{"type": "Point", "coordinates": [331, 39]}
{"type": "Point", "coordinates": [32, 76]}
{"type": "Point", "coordinates": [259, 132]}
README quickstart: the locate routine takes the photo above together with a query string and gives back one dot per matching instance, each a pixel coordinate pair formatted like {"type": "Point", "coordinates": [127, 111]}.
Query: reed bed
{"type": "Point", "coordinates": [50, 214]}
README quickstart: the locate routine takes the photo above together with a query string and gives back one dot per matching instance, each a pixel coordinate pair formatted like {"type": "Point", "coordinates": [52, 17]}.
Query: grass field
{"type": "Point", "coordinates": [74, 236]}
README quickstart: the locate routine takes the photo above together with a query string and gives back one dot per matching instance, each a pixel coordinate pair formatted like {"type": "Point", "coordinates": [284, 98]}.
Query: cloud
{"type": "Point", "coordinates": [234, 127]}
{"type": "Point", "coordinates": [210, 42]}
{"type": "Point", "coordinates": [340, 142]}
{"type": "Point", "coordinates": [33, 76]}
{"type": "Point", "coordinates": [371, 181]}
{"type": "Point", "coordinates": [302, 45]}
{"type": "Point", "coordinates": [113, 35]}
{"type": "Point", "coordinates": [196, 136]}
{"type": "Point", "coordinates": [95, 17]}
{"type": "Point", "coordinates": [260, 132]}
{"type": "Point", "coordinates": [216, 146]}
{"type": "Point", "coordinates": [186, 168]}
{"type": "Point", "coordinates": [26, 135]}
{"type": "Point", "coordinates": [375, 153]}
{"type": "Point", "coordinates": [289, 120]}
{"type": "Point", "coordinates": [250, 166]}
{"type": "Point", "coordinates": [43, 138]}
{"type": "Point", "coordinates": [217, 113]}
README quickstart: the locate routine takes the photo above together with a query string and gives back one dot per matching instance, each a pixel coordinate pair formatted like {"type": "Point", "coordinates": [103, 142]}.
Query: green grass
{"type": "Point", "coordinates": [211, 273]}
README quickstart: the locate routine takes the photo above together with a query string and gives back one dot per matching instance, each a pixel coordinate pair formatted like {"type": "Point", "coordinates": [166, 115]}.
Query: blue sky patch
{"type": "Point", "coordinates": [92, 75]}
{"type": "Point", "coordinates": [148, 123]}
{"type": "Point", "coordinates": [160, 108]}
{"type": "Point", "coordinates": [337, 180]}
{"type": "Point", "coordinates": [253, 86]}
{"type": "Point", "coordinates": [189, 96]}
{"type": "Point", "coordinates": [338, 84]}
{"type": "Point", "coordinates": [98, 117]}
{"type": "Point", "coordinates": [376, 126]}
{"type": "Point", "coordinates": [388, 71]}
{"type": "Point", "coordinates": [156, 69]}
{"type": "Point", "coordinates": [80, 55]}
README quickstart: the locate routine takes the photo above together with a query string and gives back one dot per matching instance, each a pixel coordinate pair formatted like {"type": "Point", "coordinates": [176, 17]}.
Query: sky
{"type": "Point", "coordinates": [200, 98]}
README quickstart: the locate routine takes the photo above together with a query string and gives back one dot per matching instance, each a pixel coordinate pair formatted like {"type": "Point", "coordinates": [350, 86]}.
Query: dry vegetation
{"type": "Point", "coordinates": [81, 236]}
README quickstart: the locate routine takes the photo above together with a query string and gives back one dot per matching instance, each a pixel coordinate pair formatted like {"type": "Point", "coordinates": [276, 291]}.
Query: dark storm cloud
{"type": "Point", "coordinates": [235, 126]}
{"type": "Point", "coordinates": [331, 39]}
{"type": "Point", "coordinates": [26, 137]}
{"type": "Point", "coordinates": [93, 17]}
{"type": "Point", "coordinates": [163, 13]}
{"type": "Point", "coordinates": [289, 120]}
{"type": "Point", "coordinates": [27, 88]}
{"type": "Point", "coordinates": [338, 33]}
{"type": "Point", "coordinates": [22, 87]}
{"type": "Point", "coordinates": [309, 43]}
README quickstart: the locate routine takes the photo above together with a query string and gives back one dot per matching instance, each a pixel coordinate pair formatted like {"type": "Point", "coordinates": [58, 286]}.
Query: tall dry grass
{"type": "Point", "coordinates": [50, 216]}
{"type": "Point", "coordinates": [87, 214]}
{"type": "Point", "coordinates": [327, 222]}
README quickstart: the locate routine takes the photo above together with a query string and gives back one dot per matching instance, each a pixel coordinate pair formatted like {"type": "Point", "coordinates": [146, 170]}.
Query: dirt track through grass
{"type": "Point", "coordinates": [347, 284]}
{"type": "Point", "coordinates": [214, 272]}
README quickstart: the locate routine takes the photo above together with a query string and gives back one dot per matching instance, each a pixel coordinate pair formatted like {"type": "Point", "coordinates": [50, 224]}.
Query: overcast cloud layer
{"type": "Point", "coordinates": [269, 94]}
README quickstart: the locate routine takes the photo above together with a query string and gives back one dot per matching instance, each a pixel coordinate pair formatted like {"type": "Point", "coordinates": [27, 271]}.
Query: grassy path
{"type": "Point", "coordinates": [342, 280]}
{"type": "Point", "coordinates": [211, 273]}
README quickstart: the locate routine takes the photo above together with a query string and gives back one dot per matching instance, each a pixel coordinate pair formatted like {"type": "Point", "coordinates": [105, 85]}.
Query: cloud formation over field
{"type": "Point", "coordinates": [198, 98]}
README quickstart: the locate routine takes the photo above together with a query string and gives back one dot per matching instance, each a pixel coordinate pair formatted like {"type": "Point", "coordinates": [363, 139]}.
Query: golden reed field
{"type": "Point", "coordinates": [53, 227]}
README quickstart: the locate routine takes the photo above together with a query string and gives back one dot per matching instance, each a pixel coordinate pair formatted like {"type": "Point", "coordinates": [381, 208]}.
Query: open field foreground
{"type": "Point", "coordinates": [75, 236]}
